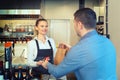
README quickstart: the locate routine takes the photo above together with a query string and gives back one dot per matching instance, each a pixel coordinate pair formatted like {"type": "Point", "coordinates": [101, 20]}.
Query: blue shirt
{"type": "Point", "coordinates": [92, 58]}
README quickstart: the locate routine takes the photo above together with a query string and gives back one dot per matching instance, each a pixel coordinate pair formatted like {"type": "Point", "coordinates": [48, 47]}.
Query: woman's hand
{"type": "Point", "coordinates": [44, 64]}
{"type": "Point", "coordinates": [42, 61]}
{"type": "Point", "coordinates": [64, 46]}
{"type": "Point", "coordinates": [39, 62]}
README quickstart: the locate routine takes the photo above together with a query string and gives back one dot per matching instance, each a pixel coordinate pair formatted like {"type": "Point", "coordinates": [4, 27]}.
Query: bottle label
{"type": "Point", "coordinates": [6, 65]}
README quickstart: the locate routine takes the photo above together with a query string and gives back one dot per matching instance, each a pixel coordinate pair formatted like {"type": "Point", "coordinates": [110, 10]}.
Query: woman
{"type": "Point", "coordinates": [39, 48]}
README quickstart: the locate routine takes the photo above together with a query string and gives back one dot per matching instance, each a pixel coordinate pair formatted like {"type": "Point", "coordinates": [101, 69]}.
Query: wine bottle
{"type": "Point", "coordinates": [7, 74]}
{"type": "Point", "coordinates": [1, 70]}
{"type": "Point", "coordinates": [20, 74]}
{"type": "Point", "coordinates": [8, 61]}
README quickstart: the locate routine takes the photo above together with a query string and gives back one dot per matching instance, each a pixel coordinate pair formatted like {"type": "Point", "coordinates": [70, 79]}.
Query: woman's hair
{"type": "Point", "coordinates": [87, 16]}
{"type": "Point", "coordinates": [38, 20]}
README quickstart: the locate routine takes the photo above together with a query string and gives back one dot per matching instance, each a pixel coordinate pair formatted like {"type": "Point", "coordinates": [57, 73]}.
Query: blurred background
{"type": "Point", "coordinates": [17, 20]}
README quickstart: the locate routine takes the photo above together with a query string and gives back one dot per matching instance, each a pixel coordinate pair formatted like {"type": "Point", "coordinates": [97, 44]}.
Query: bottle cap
{"type": "Point", "coordinates": [7, 44]}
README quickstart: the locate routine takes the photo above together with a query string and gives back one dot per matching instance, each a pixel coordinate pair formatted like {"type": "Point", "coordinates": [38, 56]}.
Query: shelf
{"type": "Point", "coordinates": [23, 32]}
{"type": "Point", "coordinates": [14, 39]}
{"type": "Point", "coordinates": [9, 17]}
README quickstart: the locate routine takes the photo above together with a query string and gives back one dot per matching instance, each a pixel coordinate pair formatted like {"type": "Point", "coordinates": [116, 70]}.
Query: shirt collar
{"type": "Point", "coordinates": [45, 37]}
{"type": "Point", "coordinates": [93, 32]}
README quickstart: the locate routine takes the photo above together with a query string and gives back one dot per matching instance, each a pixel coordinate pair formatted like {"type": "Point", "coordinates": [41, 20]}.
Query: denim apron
{"type": "Point", "coordinates": [42, 53]}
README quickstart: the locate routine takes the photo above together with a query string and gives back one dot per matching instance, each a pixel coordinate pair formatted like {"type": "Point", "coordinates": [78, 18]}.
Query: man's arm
{"type": "Point", "coordinates": [70, 63]}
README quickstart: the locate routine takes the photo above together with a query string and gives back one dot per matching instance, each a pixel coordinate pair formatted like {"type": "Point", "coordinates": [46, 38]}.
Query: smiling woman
{"type": "Point", "coordinates": [39, 48]}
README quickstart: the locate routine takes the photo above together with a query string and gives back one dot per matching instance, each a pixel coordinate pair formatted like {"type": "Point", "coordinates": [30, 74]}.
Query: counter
{"type": "Point", "coordinates": [20, 53]}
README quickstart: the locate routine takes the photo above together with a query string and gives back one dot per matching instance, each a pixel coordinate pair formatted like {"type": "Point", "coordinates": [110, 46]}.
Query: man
{"type": "Point", "coordinates": [93, 57]}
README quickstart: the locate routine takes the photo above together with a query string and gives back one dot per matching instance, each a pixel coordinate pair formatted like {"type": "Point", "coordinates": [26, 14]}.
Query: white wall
{"type": "Point", "coordinates": [114, 28]}
{"type": "Point", "coordinates": [61, 9]}
{"type": "Point", "coordinates": [60, 31]}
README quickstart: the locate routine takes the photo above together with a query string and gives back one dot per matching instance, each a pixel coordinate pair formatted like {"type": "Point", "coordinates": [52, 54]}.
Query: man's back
{"type": "Point", "coordinates": [97, 58]}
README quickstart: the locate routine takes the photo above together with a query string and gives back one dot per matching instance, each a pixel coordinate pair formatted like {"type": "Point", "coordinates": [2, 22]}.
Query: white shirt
{"type": "Point", "coordinates": [32, 49]}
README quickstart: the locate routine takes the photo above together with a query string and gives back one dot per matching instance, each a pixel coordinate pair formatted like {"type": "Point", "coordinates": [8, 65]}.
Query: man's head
{"type": "Point", "coordinates": [85, 20]}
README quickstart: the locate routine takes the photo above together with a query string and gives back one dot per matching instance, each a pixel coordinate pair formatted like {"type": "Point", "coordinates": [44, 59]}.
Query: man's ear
{"type": "Point", "coordinates": [80, 25]}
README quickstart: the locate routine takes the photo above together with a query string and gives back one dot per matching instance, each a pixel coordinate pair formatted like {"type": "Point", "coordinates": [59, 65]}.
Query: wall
{"type": "Point", "coordinates": [97, 6]}
{"type": "Point", "coordinates": [61, 9]}
{"type": "Point", "coordinates": [114, 28]}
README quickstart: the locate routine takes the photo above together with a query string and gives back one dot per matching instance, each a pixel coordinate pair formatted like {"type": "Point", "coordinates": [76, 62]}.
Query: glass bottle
{"type": "Point", "coordinates": [1, 70]}
{"type": "Point", "coordinates": [8, 61]}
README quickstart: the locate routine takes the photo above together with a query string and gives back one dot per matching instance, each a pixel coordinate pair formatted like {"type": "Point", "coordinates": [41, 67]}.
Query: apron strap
{"type": "Point", "coordinates": [50, 44]}
{"type": "Point", "coordinates": [37, 45]}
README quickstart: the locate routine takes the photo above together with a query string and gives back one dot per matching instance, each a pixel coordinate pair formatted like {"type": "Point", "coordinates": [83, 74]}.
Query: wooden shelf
{"type": "Point", "coordinates": [9, 17]}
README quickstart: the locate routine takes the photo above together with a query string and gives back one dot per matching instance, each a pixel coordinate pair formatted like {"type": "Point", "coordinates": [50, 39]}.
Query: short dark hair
{"type": "Point", "coordinates": [87, 17]}
{"type": "Point", "coordinates": [38, 20]}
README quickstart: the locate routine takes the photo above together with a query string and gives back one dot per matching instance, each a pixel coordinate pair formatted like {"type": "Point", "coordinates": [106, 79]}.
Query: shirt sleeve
{"type": "Point", "coordinates": [75, 59]}
{"type": "Point", "coordinates": [31, 54]}
{"type": "Point", "coordinates": [69, 64]}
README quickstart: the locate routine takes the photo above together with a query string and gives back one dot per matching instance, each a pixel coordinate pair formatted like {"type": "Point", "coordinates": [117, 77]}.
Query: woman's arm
{"type": "Point", "coordinates": [31, 47]}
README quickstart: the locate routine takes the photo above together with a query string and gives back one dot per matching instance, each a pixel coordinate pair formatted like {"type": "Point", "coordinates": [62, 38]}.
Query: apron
{"type": "Point", "coordinates": [42, 53]}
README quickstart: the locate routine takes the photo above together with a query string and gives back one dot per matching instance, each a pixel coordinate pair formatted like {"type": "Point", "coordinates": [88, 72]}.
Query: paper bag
{"type": "Point", "coordinates": [60, 54]}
